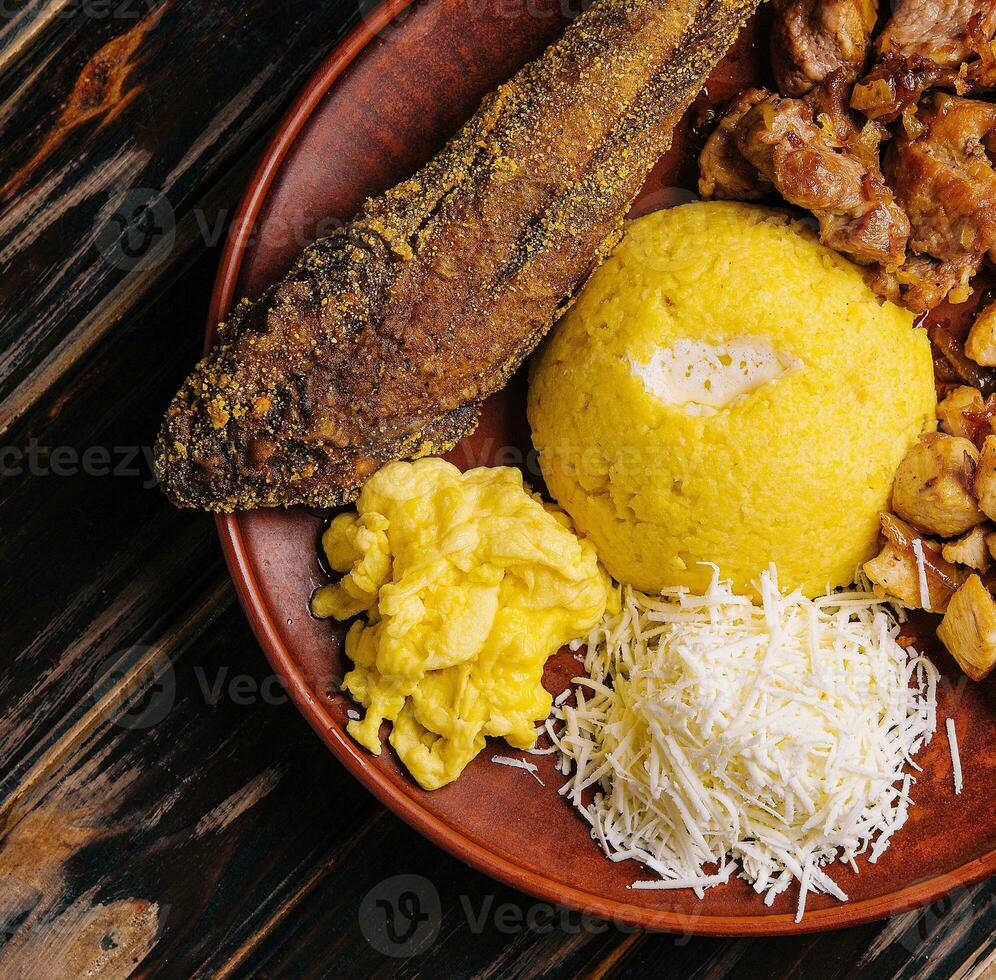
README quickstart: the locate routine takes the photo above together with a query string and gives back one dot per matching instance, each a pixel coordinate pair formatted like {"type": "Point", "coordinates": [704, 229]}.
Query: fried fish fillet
{"type": "Point", "coordinates": [383, 339]}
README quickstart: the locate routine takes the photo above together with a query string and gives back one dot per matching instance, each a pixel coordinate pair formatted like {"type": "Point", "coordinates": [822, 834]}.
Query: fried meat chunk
{"type": "Point", "coordinates": [934, 486]}
{"type": "Point", "coordinates": [811, 39]}
{"type": "Point", "coordinates": [929, 44]}
{"type": "Point", "coordinates": [921, 283]}
{"type": "Point", "coordinates": [984, 482]}
{"type": "Point", "coordinates": [896, 570]}
{"type": "Point", "coordinates": [814, 165]}
{"type": "Point", "coordinates": [894, 86]}
{"type": "Point", "coordinates": [944, 32]}
{"type": "Point", "coordinates": [724, 173]}
{"type": "Point", "coordinates": [980, 345]}
{"type": "Point", "coordinates": [958, 411]}
{"type": "Point", "coordinates": [968, 629]}
{"type": "Point", "coordinates": [970, 550]}
{"type": "Point", "coordinates": [944, 180]}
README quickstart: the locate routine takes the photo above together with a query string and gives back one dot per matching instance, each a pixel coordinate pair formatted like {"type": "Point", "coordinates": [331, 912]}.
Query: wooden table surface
{"type": "Point", "coordinates": [163, 810]}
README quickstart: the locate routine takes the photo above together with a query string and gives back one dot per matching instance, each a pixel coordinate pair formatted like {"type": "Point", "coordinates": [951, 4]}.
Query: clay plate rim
{"type": "Point", "coordinates": [440, 833]}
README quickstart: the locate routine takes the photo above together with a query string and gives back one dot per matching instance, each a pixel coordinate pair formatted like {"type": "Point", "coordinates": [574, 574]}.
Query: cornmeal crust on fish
{"type": "Point", "coordinates": [384, 338]}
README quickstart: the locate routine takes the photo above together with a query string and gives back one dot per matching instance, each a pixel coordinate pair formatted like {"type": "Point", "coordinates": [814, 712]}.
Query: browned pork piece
{"type": "Point", "coordinates": [383, 339]}
{"type": "Point", "coordinates": [929, 44]}
{"type": "Point", "coordinates": [811, 39]}
{"type": "Point", "coordinates": [945, 32]}
{"type": "Point", "coordinates": [834, 174]}
{"type": "Point", "coordinates": [944, 179]}
{"type": "Point", "coordinates": [724, 172]}
{"type": "Point", "coordinates": [894, 86]}
{"type": "Point", "coordinates": [921, 283]}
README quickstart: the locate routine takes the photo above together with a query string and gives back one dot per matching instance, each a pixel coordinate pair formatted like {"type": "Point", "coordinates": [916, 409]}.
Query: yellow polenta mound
{"type": "Point", "coordinates": [728, 390]}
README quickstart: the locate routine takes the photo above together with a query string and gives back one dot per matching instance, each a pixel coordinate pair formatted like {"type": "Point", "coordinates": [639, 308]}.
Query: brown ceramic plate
{"type": "Point", "coordinates": [382, 104]}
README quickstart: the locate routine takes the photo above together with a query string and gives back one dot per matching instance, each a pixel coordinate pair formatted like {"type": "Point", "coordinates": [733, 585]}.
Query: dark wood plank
{"type": "Point", "coordinates": [490, 930]}
{"type": "Point", "coordinates": [117, 364]}
{"type": "Point", "coordinates": [151, 106]}
{"type": "Point", "coordinates": [173, 799]}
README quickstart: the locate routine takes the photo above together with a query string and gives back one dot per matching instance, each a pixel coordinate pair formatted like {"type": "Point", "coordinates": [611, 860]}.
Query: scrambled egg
{"type": "Point", "coordinates": [468, 584]}
{"type": "Point", "coordinates": [728, 390]}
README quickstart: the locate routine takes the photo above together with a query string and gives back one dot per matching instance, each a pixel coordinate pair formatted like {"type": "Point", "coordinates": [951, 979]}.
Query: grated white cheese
{"type": "Point", "coordinates": [955, 755]}
{"type": "Point", "coordinates": [711, 730]}
{"type": "Point", "coordinates": [504, 760]}
{"type": "Point", "coordinates": [921, 568]}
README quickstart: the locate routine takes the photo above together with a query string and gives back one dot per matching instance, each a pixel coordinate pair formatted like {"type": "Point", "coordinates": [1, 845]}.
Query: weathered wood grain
{"type": "Point", "coordinates": [159, 100]}
{"type": "Point", "coordinates": [214, 836]}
